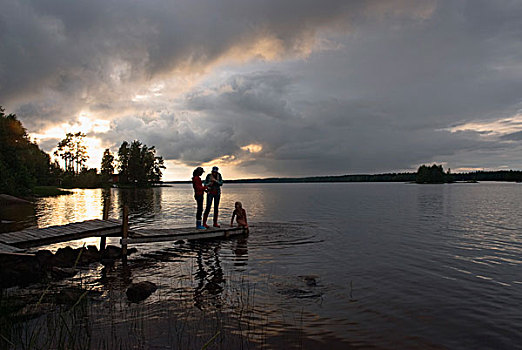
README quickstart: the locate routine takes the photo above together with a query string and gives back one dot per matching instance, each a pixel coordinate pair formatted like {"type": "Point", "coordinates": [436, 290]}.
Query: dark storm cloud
{"type": "Point", "coordinates": [319, 136]}
{"type": "Point", "coordinates": [83, 48]}
{"type": "Point", "coordinates": [324, 86]}
{"type": "Point", "coordinates": [387, 99]}
{"type": "Point", "coordinates": [175, 137]}
{"type": "Point", "coordinates": [250, 95]}
{"type": "Point", "coordinates": [515, 136]}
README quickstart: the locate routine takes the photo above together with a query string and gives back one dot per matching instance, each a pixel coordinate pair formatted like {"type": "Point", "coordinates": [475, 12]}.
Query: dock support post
{"type": "Point", "coordinates": [103, 239]}
{"type": "Point", "coordinates": [124, 232]}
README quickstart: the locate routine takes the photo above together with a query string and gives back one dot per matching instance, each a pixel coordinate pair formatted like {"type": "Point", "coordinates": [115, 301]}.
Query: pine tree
{"type": "Point", "coordinates": [107, 165]}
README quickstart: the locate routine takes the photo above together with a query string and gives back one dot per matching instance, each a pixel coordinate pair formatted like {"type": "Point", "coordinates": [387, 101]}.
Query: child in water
{"type": "Point", "coordinates": [241, 216]}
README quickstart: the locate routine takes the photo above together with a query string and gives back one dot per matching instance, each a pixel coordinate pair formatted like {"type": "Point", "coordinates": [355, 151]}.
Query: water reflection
{"type": "Point", "coordinates": [240, 249]}
{"type": "Point", "coordinates": [14, 217]}
{"type": "Point", "coordinates": [79, 206]}
{"type": "Point", "coordinates": [441, 262]}
{"type": "Point", "coordinates": [209, 275]}
{"type": "Point", "coordinates": [431, 200]}
{"type": "Point", "coordinates": [144, 203]}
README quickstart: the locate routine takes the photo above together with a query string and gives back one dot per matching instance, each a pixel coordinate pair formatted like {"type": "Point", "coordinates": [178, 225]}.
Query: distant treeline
{"type": "Point", "coordinates": [504, 175]}
{"type": "Point", "coordinates": [391, 177]}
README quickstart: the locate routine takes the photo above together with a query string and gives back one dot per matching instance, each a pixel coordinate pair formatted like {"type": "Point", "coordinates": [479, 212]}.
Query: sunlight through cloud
{"type": "Point", "coordinates": [252, 148]}
{"type": "Point", "coordinates": [493, 128]}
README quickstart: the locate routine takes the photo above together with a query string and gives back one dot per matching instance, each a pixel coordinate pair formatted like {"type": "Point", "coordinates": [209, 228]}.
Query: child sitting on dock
{"type": "Point", "coordinates": [241, 216]}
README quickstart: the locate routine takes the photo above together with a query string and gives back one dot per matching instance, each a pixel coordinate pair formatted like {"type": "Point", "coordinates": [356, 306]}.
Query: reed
{"type": "Point", "coordinates": [201, 309]}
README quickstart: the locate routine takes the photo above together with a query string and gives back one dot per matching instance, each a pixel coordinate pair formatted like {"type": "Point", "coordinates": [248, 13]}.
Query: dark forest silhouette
{"type": "Point", "coordinates": [23, 164]}
{"type": "Point", "coordinates": [24, 167]}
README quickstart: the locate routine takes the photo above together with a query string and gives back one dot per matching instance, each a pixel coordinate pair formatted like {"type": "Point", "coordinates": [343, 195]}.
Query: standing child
{"type": "Point", "coordinates": [241, 216]}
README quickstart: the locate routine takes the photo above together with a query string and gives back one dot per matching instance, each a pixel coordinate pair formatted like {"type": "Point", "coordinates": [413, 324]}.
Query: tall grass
{"type": "Point", "coordinates": [198, 309]}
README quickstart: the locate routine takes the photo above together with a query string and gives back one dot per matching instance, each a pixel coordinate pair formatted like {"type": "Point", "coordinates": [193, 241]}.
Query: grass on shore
{"type": "Point", "coordinates": [48, 191]}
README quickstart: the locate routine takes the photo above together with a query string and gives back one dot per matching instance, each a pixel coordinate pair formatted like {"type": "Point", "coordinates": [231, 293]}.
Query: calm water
{"type": "Point", "coordinates": [337, 265]}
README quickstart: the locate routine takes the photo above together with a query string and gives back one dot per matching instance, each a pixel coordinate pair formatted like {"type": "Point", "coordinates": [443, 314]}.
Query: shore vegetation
{"type": "Point", "coordinates": [23, 165]}
{"type": "Point", "coordinates": [26, 170]}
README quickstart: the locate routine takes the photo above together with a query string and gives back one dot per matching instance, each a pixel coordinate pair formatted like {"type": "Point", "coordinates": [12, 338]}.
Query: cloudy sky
{"type": "Point", "coordinates": [272, 87]}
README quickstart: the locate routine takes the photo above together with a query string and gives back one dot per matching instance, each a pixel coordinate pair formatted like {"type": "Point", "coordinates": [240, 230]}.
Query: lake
{"type": "Point", "coordinates": [337, 265]}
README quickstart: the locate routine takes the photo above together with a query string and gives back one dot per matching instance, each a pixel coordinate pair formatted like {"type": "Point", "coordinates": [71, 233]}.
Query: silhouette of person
{"type": "Point", "coordinates": [213, 181]}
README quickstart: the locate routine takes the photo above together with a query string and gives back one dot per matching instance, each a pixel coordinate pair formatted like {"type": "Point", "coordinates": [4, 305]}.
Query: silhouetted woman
{"type": "Point", "coordinates": [199, 191]}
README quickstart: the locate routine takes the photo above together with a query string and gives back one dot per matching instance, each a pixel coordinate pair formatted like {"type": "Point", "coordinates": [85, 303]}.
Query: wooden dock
{"type": "Point", "coordinates": [175, 234]}
{"type": "Point", "coordinates": [17, 242]}
{"type": "Point", "coordinates": [54, 234]}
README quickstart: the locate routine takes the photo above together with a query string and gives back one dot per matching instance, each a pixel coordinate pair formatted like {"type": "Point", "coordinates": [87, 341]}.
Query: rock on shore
{"type": "Point", "coordinates": [24, 269]}
{"type": "Point", "coordinates": [140, 291]}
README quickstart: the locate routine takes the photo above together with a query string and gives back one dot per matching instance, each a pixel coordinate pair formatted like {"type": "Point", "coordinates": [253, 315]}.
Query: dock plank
{"type": "Point", "coordinates": [54, 234]}
{"type": "Point", "coordinates": [14, 241]}
{"type": "Point", "coordinates": [92, 225]}
{"type": "Point", "coordinates": [4, 248]}
{"type": "Point", "coordinates": [4, 238]}
{"type": "Point", "coordinates": [162, 235]}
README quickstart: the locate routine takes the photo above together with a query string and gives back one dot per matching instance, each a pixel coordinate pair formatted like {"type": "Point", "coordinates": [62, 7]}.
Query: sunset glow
{"type": "Point", "coordinates": [252, 148]}
{"type": "Point", "coordinates": [333, 87]}
{"type": "Point", "coordinates": [87, 125]}
{"type": "Point", "coordinates": [493, 128]}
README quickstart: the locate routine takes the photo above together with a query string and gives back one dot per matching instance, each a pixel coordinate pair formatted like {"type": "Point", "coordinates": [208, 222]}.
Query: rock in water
{"type": "Point", "coordinates": [111, 252]}
{"type": "Point", "coordinates": [62, 272]}
{"type": "Point", "coordinates": [65, 257]}
{"type": "Point", "coordinates": [310, 280]}
{"type": "Point", "coordinates": [19, 270]}
{"type": "Point", "coordinates": [44, 257]}
{"type": "Point", "coordinates": [70, 295]}
{"type": "Point", "coordinates": [7, 199]}
{"type": "Point", "coordinates": [140, 291]}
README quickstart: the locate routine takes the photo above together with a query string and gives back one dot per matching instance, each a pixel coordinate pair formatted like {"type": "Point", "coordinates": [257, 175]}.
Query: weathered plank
{"type": "Point", "coordinates": [13, 241]}
{"type": "Point", "coordinates": [4, 238]}
{"type": "Point", "coordinates": [55, 234]}
{"type": "Point", "coordinates": [162, 235]}
{"type": "Point", "coordinates": [51, 231]}
{"type": "Point", "coordinates": [4, 248]}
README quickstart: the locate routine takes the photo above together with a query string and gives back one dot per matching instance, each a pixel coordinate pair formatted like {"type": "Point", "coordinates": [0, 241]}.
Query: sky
{"type": "Point", "coordinates": [266, 88]}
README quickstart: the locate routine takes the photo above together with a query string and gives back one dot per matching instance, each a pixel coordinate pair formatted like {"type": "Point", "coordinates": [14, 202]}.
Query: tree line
{"type": "Point", "coordinates": [425, 174]}
{"type": "Point", "coordinates": [24, 166]}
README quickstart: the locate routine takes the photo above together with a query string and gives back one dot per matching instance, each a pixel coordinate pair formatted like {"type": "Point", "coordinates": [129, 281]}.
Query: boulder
{"type": "Point", "coordinates": [114, 252]}
{"type": "Point", "coordinates": [65, 257]}
{"type": "Point", "coordinates": [62, 272]}
{"type": "Point", "coordinates": [89, 255]}
{"type": "Point", "coordinates": [6, 199]}
{"type": "Point", "coordinates": [70, 295]}
{"type": "Point", "coordinates": [140, 291]}
{"type": "Point", "coordinates": [44, 257]}
{"type": "Point", "coordinates": [111, 252]}
{"type": "Point", "coordinates": [93, 249]}
{"type": "Point", "coordinates": [20, 270]}
{"type": "Point", "coordinates": [310, 280]}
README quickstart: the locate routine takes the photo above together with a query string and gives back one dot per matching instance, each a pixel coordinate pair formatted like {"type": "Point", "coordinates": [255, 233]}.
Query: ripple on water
{"type": "Point", "coordinates": [325, 265]}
